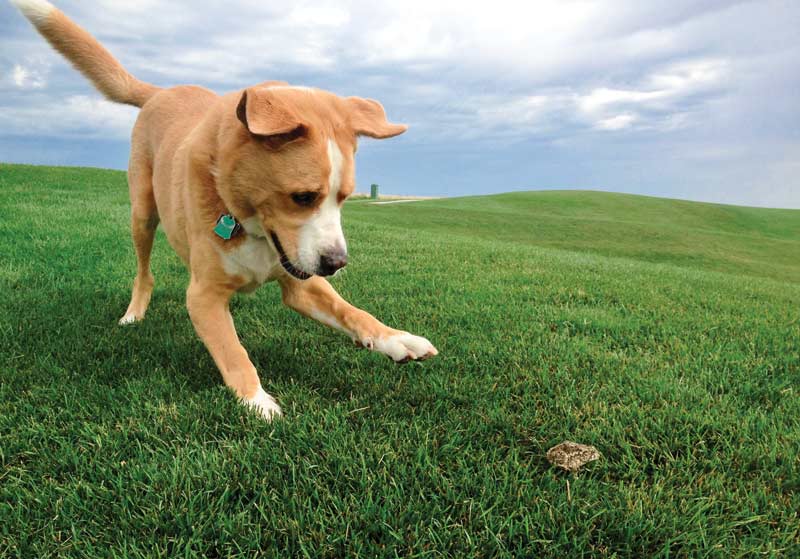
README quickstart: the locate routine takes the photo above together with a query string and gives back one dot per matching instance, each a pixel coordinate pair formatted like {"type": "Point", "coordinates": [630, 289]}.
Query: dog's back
{"type": "Point", "coordinates": [163, 124]}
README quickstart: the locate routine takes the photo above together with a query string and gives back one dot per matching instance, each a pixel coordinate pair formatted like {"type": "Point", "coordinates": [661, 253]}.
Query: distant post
{"type": "Point", "coordinates": [373, 192]}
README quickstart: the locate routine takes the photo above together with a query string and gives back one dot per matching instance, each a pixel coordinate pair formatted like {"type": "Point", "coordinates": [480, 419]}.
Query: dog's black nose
{"type": "Point", "coordinates": [331, 262]}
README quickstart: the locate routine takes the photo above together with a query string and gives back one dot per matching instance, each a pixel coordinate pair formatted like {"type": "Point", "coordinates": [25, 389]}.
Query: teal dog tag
{"type": "Point", "coordinates": [227, 226]}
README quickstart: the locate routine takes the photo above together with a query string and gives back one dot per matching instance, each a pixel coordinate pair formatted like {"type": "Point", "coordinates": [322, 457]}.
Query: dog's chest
{"type": "Point", "coordinates": [254, 260]}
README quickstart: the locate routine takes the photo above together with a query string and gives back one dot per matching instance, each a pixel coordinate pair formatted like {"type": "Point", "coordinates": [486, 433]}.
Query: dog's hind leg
{"type": "Point", "coordinates": [144, 220]}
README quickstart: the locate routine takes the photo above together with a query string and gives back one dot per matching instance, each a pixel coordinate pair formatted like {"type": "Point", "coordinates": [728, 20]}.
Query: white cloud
{"type": "Point", "coordinates": [20, 76]}
{"type": "Point", "coordinates": [602, 98]}
{"type": "Point", "coordinates": [662, 100]}
{"type": "Point", "coordinates": [657, 74]}
{"type": "Point", "coordinates": [319, 14]}
{"type": "Point", "coordinates": [77, 116]}
{"type": "Point", "coordinates": [530, 111]}
{"type": "Point", "coordinates": [27, 77]}
{"type": "Point", "coordinates": [618, 122]}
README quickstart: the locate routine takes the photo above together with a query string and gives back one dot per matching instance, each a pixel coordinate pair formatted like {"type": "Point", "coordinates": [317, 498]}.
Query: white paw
{"type": "Point", "coordinates": [263, 404]}
{"type": "Point", "coordinates": [128, 319]}
{"type": "Point", "coordinates": [402, 347]}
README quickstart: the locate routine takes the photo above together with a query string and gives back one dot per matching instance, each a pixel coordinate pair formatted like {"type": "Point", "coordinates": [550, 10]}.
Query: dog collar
{"type": "Point", "coordinates": [227, 227]}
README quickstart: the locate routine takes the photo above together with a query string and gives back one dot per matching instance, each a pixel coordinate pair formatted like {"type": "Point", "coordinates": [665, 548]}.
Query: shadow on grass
{"type": "Point", "coordinates": [74, 337]}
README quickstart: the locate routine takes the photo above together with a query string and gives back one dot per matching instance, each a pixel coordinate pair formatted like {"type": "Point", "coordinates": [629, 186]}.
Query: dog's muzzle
{"type": "Point", "coordinates": [285, 262]}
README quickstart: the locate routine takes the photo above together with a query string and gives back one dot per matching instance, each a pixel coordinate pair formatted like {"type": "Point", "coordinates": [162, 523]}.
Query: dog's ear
{"type": "Point", "coordinates": [268, 118]}
{"type": "Point", "coordinates": [368, 118]}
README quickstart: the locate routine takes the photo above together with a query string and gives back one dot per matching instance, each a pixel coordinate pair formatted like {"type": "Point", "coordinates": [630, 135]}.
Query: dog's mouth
{"type": "Point", "coordinates": [285, 262]}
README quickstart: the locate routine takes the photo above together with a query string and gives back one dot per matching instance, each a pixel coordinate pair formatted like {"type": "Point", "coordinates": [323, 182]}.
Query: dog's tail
{"type": "Point", "coordinates": [85, 53]}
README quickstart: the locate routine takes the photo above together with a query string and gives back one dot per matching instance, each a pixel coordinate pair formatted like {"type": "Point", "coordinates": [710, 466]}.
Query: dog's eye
{"type": "Point", "coordinates": [304, 198]}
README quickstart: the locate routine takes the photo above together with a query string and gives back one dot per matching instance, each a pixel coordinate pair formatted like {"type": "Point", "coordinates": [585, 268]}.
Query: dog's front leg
{"type": "Point", "coordinates": [316, 299]}
{"type": "Point", "coordinates": [208, 308]}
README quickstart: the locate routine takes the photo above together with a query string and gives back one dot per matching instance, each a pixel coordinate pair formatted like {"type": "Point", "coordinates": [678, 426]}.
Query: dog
{"type": "Point", "coordinates": [248, 188]}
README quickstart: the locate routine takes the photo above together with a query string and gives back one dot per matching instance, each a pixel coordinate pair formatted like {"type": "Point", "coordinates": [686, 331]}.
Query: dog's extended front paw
{"type": "Point", "coordinates": [402, 347]}
{"type": "Point", "coordinates": [263, 404]}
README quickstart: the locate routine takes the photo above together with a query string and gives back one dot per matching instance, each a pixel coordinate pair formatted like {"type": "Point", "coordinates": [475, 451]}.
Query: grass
{"type": "Point", "coordinates": [665, 333]}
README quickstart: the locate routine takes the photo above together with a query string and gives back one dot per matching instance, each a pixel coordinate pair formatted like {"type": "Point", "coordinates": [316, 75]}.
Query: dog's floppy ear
{"type": "Point", "coordinates": [268, 118]}
{"type": "Point", "coordinates": [368, 118]}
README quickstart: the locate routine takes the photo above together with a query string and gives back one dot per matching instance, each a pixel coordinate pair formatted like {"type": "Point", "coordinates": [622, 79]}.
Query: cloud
{"type": "Point", "coordinates": [661, 102]}
{"type": "Point", "coordinates": [577, 77]}
{"type": "Point", "coordinates": [77, 116]}
{"type": "Point", "coordinates": [29, 73]}
{"type": "Point", "coordinates": [27, 78]}
{"type": "Point", "coordinates": [19, 76]}
{"type": "Point", "coordinates": [618, 122]}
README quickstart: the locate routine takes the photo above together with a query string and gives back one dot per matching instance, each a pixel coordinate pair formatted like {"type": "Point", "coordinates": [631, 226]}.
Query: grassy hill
{"type": "Point", "coordinates": [747, 241]}
{"type": "Point", "coordinates": [665, 333]}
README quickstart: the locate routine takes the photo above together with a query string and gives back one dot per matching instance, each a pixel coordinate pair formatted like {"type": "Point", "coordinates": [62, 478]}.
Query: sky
{"type": "Point", "coordinates": [691, 99]}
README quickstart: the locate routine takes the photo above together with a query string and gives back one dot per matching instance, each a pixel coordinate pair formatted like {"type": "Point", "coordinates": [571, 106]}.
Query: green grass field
{"type": "Point", "coordinates": [665, 333]}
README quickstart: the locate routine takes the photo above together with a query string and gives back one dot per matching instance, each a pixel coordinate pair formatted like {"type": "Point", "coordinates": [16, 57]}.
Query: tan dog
{"type": "Point", "coordinates": [278, 159]}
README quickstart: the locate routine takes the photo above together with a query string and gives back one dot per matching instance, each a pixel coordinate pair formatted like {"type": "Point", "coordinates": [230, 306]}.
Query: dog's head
{"type": "Point", "coordinates": [288, 166]}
